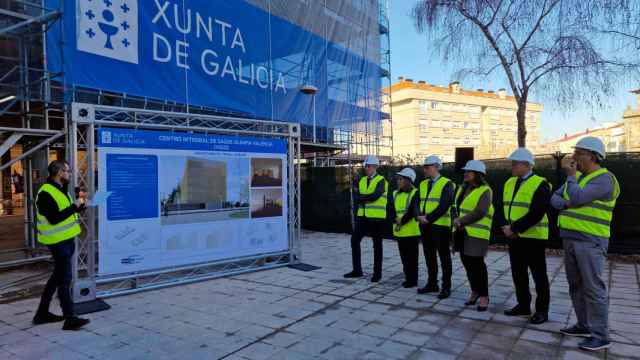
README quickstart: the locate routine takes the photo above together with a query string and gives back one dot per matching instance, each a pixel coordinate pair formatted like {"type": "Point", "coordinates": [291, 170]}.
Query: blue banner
{"type": "Point", "coordinates": [127, 138]}
{"type": "Point", "coordinates": [228, 55]}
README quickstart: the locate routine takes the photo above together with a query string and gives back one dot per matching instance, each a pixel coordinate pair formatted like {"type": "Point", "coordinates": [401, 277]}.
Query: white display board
{"type": "Point", "coordinates": [179, 199]}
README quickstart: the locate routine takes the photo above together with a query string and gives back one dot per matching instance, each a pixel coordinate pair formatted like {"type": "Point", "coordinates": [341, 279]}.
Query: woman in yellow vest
{"type": "Point", "coordinates": [473, 230]}
{"type": "Point", "coordinates": [406, 231]}
{"type": "Point", "coordinates": [57, 228]}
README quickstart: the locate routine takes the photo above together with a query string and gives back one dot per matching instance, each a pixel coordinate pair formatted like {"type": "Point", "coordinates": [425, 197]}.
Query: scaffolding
{"type": "Point", "coordinates": [37, 117]}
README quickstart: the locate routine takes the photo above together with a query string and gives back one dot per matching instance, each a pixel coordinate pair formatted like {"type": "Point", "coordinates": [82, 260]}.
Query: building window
{"type": "Point", "coordinates": [434, 105]}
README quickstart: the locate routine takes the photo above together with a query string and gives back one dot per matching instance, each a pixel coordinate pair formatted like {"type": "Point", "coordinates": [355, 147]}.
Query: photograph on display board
{"type": "Point", "coordinates": [197, 189]}
{"type": "Point", "coordinates": [266, 172]}
{"type": "Point", "coordinates": [266, 203]}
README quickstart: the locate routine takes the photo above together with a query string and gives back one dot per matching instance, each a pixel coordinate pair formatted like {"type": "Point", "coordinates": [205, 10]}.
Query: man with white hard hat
{"type": "Point", "coordinates": [525, 200]}
{"type": "Point", "coordinates": [406, 230]}
{"type": "Point", "coordinates": [436, 198]}
{"type": "Point", "coordinates": [371, 196]}
{"type": "Point", "coordinates": [586, 208]}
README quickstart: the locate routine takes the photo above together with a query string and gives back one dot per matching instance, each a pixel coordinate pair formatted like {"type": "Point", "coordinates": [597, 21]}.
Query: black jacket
{"type": "Point", "coordinates": [537, 210]}
{"type": "Point", "coordinates": [48, 207]}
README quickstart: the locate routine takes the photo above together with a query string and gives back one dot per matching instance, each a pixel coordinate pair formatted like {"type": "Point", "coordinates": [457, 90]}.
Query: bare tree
{"type": "Point", "coordinates": [560, 48]}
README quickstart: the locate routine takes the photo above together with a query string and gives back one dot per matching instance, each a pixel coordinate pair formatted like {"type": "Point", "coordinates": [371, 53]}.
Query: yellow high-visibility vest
{"type": "Point", "coordinates": [480, 229]}
{"type": "Point", "coordinates": [518, 205]}
{"type": "Point", "coordinates": [429, 204]}
{"type": "Point", "coordinates": [376, 209]}
{"type": "Point", "coordinates": [595, 217]}
{"type": "Point", "coordinates": [401, 202]}
{"type": "Point", "coordinates": [50, 234]}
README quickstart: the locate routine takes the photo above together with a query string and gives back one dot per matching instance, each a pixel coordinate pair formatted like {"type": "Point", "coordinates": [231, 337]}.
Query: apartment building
{"type": "Point", "coordinates": [435, 120]}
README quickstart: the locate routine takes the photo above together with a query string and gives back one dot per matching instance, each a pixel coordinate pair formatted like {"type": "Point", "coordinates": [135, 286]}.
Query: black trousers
{"type": "Point", "coordinates": [367, 227]}
{"type": "Point", "coordinates": [409, 249]}
{"type": "Point", "coordinates": [477, 274]}
{"type": "Point", "coordinates": [435, 242]}
{"type": "Point", "coordinates": [60, 279]}
{"type": "Point", "coordinates": [528, 254]}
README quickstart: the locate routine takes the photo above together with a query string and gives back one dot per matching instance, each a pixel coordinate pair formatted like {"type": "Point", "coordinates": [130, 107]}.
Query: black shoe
{"type": "Point", "coordinates": [74, 323]}
{"type": "Point", "coordinates": [483, 308]}
{"type": "Point", "coordinates": [576, 330]}
{"type": "Point", "coordinates": [445, 293]}
{"type": "Point", "coordinates": [428, 289]}
{"type": "Point", "coordinates": [518, 311]}
{"type": "Point", "coordinates": [376, 278]}
{"type": "Point", "coordinates": [409, 284]}
{"type": "Point", "coordinates": [539, 318]}
{"type": "Point", "coordinates": [353, 274]}
{"type": "Point", "coordinates": [593, 344]}
{"type": "Point", "coordinates": [45, 318]}
{"type": "Point", "coordinates": [472, 300]}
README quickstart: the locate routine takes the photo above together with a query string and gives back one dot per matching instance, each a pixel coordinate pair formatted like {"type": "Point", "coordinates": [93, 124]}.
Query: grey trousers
{"type": "Point", "coordinates": [584, 263]}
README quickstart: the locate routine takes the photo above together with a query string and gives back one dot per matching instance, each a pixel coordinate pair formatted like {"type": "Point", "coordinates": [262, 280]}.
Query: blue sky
{"type": "Point", "coordinates": [411, 58]}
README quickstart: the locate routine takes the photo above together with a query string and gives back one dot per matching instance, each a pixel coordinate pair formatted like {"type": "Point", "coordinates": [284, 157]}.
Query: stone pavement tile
{"type": "Point", "coordinates": [551, 326]}
{"type": "Point", "coordinates": [33, 348]}
{"type": "Point", "coordinates": [435, 318]}
{"type": "Point", "coordinates": [479, 352]}
{"type": "Point", "coordinates": [428, 354]}
{"type": "Point", "coordinates": [349, 323]}
{"type": "Point", "coordinates": [625, 350]}
{"type": "Point", "coordinates": [395, 350]}
{"type": "Point", "coordinates": [341, 352]}
{"type": "Point", "coordinates": [390, 300]}
{"type": "Point", "coordinates": [354, 303]}
{"type": "Point", "coordinates": [446, 345]}
{"type": "Point", "coordinates": [533, 350]}
{"type": "Point", "coordinates": [458, 333]}
{"type": "Point", "coordinates": [570, 342]}
{"type": "Point", "coordinates": [363, 342]}
{"type": "Point", "coordinates": [283, 339]}
{"type": "Point", "coordinates": [259, 351]}
{"type": "Point", "coordinates": [410, 337]}
{"type": "Point", "coordinates": [328, 299]}
{"type": "Point", "coordinates": [423, 327]}
{"type": "Point", "coordinates": [478, 315]}
{"type": "Point", "coordinates": [402, 313]}
{"type": "Point", "coordinates": [313, 346]}
{"type": "Point", "coordinates": [13, 337]}
{"type": "Point", "coordinates": [287, 354]}
{"type": "Point", "coordinates": [391, 320]}
{"type": "Point", "coordinates": [452, 310]}
{"type": "Point", "coordinates": [96, 349]}
{"type": "Point", "coordinates": [580, 355]}
{"type": "Point", "coordinates": [253, 332]}
{"type": "Point", "coordinates": [542, 337]}
{"type": "Point", "coordinates": [467, 323]}
{"type": "Point", "coordinates": [378, 330]}
{"type": "Point", "coordinates": [493, 341]}
{"type": "Point", "coordinates": [502, 330]}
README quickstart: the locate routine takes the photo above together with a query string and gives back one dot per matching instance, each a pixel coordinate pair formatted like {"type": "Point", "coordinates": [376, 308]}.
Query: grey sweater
{"type": "Point", "coordinates": [599, 188]}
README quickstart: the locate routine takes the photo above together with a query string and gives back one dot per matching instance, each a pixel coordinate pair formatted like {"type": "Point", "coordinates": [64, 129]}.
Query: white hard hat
{"type": "Point", "coordinates": [475, 165]}
{"type": "Point", "coordinates": [408, 173]}
{"type": "Point", "coordinates": [592, 144]}
{"type": "Point", "coordinates": [433, 160]}
{"type": "Point", "coordinates": [371, 160]}
{"type": "Point", "coordinates": [522, 154]}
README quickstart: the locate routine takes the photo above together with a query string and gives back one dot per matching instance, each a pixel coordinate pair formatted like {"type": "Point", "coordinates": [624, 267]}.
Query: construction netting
{"type": "Point", "coordinates": [247, 58]}
{"type": "Point", "coordinates": [326, 197]}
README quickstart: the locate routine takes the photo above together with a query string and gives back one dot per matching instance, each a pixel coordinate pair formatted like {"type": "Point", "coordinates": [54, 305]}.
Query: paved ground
{"type": "Point", "coordinates": [288, 314]}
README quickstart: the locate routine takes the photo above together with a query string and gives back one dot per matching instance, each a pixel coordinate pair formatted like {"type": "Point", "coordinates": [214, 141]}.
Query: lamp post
{"type": "Point", "coordinates": [311, 90]}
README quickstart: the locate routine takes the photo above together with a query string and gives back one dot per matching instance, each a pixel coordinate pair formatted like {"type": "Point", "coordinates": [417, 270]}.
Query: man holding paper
{"type": "Point", "coordinates": [57, 226]}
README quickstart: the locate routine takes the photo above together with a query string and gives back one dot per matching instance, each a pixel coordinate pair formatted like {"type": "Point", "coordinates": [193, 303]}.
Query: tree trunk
{"type": "Point", "coordinates": [522, 124]}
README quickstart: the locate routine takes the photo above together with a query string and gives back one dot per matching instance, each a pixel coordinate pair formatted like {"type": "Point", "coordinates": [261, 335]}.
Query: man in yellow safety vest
{"type": "Point", "coordinates": [370, 197]}
{"type": "Point", "coordinates": [57, 226]}
{"type": "Point", "coordinates": [586, 208]}
{"type": "Point", "coordinates": [525, 202]}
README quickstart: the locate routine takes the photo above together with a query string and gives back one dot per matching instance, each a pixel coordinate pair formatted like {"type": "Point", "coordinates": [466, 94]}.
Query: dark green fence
{"type": "Point", "coordinates": [326, 194]}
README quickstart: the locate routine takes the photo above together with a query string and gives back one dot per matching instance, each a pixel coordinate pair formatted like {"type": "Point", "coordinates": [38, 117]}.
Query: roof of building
{"type": "Point", "coordinates": [421, 85]}
{"type": "Point", "coordinates": [587, 132]}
